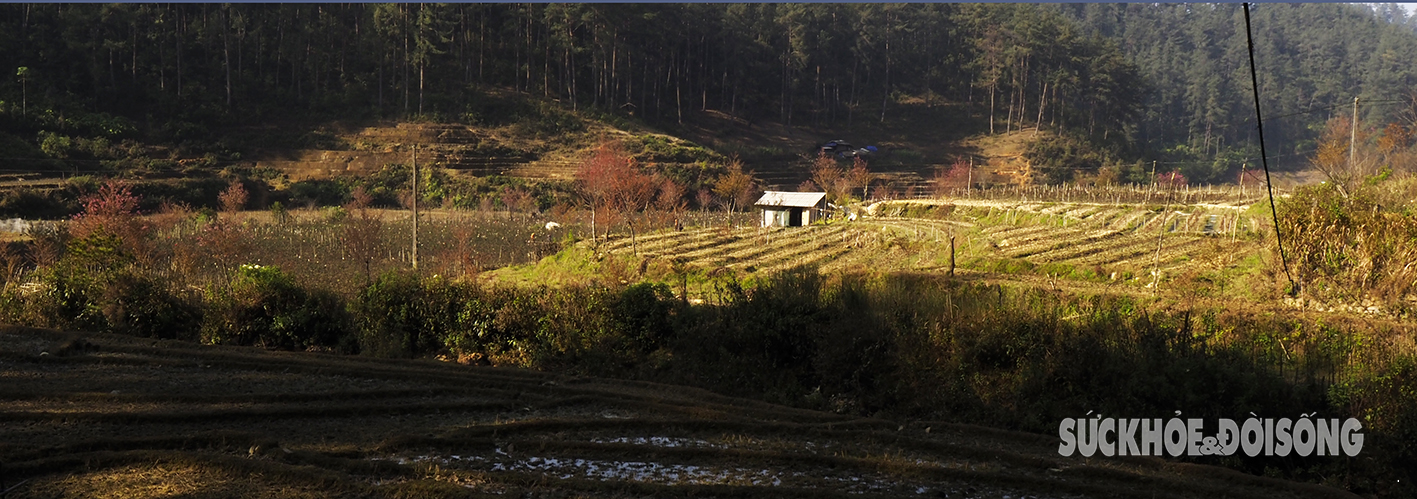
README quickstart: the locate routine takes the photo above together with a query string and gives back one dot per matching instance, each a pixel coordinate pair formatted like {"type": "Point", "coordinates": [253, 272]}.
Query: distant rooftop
{"type": "Point", "coordinates": [791, 199]}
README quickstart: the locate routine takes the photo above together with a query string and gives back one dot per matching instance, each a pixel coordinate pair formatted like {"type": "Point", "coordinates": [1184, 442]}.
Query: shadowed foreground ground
{"type": "Point", "coordinates": [111, 416]}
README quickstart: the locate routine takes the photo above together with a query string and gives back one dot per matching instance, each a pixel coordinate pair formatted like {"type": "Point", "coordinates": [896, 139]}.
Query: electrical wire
{"type": "Point", "coordinates": [1259, 121]}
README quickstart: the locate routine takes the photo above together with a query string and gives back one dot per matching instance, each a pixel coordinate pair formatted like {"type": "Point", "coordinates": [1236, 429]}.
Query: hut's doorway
{"type": "Point", "coordinates": [794, 218]}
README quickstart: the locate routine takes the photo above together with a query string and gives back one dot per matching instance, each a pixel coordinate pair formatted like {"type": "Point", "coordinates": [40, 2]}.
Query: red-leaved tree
{"type": "Point", "coordinates": [631, 193]}
{"type": "Point", "coordinates": [1172, 180]}
{"type": "Point", "coordinates": [596, 177]}
{"type": "Point", "coordinates": [951, 177]}
{"type": "Point", "coordinates": [113, 212]}
{"type": "Point", "coordinates": [736, 187]}
{"type": "Point", "coordinates": [612, 182]}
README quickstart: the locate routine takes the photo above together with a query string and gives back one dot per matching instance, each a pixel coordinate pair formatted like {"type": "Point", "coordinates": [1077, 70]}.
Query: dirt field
{"type": "Point", "coordinates": [106, 416]}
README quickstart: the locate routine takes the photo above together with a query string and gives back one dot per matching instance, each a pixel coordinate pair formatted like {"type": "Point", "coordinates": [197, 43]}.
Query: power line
{"type": "Point", "coordinates": [1245, 159]}
{"type": "Point", "coordinates": [1259, 121]}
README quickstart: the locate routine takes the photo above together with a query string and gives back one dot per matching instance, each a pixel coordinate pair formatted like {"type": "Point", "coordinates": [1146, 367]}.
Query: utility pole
{"type": "Point", "coordinates": [1353, 137]}
{"type": "Point", "coordinates": [1242, 178]}
{"type": "Point", "coordinates": [415, 206]}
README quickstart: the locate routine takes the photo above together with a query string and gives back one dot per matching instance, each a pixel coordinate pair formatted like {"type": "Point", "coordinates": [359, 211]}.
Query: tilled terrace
{"type": "Point", "coordinates": [98, 415]}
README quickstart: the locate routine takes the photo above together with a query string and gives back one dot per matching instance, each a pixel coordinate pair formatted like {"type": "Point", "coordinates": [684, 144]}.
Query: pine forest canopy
{"type": "Point", "coordinates": [1137, 80]}
{"type": "Point", "coordinates": [1311, 59]}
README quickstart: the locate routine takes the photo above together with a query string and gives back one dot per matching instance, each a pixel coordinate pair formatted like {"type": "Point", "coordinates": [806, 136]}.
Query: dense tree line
{"type": "Point", "coordinates": [799, 64]}
{"type": "Point", "coordinates": [1166, 80]}
{"type": "Point", "coordinates": [1311, 59]}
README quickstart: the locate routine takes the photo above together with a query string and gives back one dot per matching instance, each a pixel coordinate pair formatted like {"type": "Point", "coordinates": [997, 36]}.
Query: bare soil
{"type": "Point", "coordinates": [108, 416]}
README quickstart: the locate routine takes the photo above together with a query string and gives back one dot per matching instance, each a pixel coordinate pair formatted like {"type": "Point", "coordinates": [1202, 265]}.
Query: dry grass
{"type": "Point", "coordinates": [166, 480]}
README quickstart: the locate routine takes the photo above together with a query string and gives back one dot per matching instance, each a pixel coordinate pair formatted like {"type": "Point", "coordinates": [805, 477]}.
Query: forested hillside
{"type": "Point", "coordinates": [1135, 81]}
{"type": "Point", "coordinates": [178, 70]}
{"type": "Point", "coordinates": [1311, 59]}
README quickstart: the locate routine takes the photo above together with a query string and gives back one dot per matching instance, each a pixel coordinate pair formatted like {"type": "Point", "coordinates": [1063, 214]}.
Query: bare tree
{"type": "Point", "coordinates": [859, 177]}
{"type": "Point", "coordinates": [736, 187]}
{"type": "Point", "coordinates": [829, 176]}
{"type": "Point", "coordinates": [233, 199]}
{"type": "Point", "coordinates": [1339, 158]}
{"type": "Point", "coordinates": [518, 200]}
{"type": "Point", "coordinates": [671, 199]}
{"type": "Point", "coordinates": [363, 232]}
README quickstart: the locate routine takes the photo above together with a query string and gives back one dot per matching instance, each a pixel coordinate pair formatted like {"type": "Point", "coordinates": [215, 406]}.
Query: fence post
{"type": "Point", "coordinates": [952, 256]}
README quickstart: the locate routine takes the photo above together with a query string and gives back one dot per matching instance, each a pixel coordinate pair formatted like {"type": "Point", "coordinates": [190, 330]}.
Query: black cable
{"type": "Point", "coordinates": [1255, 83]}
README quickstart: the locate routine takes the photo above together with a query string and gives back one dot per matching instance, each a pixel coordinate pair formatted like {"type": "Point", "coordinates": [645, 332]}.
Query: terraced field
{"type": "Point", "coordinates": [110, 416]}
{"type": "Point", "coordinates": [1113, 241]}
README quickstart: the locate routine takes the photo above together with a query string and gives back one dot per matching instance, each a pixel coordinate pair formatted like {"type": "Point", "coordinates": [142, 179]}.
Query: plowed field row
{"type": "Point", "coordinates": [99, 415]}
{"type": "Point", "coordinates": [1114, 239]}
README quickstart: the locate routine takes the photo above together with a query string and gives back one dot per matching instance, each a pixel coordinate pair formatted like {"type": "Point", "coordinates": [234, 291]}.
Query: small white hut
{"type": "Point", "coordinates": [791, 209]}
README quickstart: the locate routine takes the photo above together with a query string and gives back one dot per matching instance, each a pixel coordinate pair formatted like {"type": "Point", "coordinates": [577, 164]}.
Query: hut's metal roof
{"type": "Point", "coordinates": [773, 199]}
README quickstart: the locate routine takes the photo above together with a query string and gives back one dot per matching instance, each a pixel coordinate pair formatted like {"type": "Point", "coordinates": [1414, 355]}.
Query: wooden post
{"type": "Point", "coordinates": [1353, 135]}
{"type": "Point", "coordinates": [415, 207]}
{"type": "Point", "coordinates": [969, 181]}
{"type": "Point", "coordinates": [952, 256]}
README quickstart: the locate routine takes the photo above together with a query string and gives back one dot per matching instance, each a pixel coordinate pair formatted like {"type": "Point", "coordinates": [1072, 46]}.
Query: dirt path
{"type": "Point", "coordinates": [108, 416]}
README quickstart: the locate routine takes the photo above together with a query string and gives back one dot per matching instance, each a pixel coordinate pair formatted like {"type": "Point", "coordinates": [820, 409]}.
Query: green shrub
{"type": "Point", "coordinates": [93, 288]}
{"type": "Point", "coordinates": [279, 214]}
{"type": "Point", "coordinates": [25, 202]}
{"type": "Point", "coordinates": [70, 293]}
{"type": "Point", "coordinates": [318, 193]}
{"type": "Point", "coordinates": [263, 306]}
{"type": "Point", "coordinates": [1382, 393]}
{"type": "Point", "coordinates": [926, 346]}
{"type": "Point", "coordinates": [56, 297]}
{"type": "Point", "coordinates": [663, 148]}
{"type": "Point", "coordinates": [140, 306]}
{"type": "Point", "coordinates": [643, 313]}
{"type": "Point", "coordinates": [400, 315]}
{"type": "Point", "coordinates": [933, 211]}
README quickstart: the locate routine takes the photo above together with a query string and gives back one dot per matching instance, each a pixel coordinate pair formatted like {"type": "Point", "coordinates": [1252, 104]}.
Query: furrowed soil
{"type": "Point", "coordinates": [1088, 246]}
{"type": "Point", "coordinates": [96, 415]}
